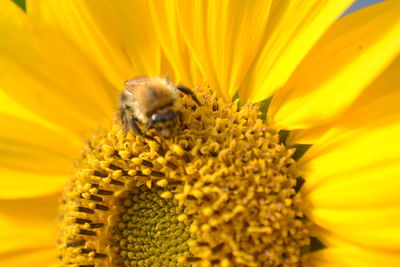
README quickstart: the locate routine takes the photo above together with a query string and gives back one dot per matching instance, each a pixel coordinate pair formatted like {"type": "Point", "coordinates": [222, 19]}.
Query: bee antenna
{"type": "Point", "coordinates": [187, 91]}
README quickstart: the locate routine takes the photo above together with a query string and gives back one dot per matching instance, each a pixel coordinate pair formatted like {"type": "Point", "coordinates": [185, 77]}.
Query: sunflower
{"type": "Point", "coordinates": [291, 159]}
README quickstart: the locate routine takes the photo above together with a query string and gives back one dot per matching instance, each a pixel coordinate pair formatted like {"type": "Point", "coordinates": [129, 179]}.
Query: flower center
{"type": "Point", "coordinates": [221, 191]}
{"type": "Point", "coordinates": [148, 230]}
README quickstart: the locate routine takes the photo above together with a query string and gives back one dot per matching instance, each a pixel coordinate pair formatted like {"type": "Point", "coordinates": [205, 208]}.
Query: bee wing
{"type": "Point", "coordinates": [131, 83]}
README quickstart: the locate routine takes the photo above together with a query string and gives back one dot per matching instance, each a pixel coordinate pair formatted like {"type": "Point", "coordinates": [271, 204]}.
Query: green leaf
{"type": "Point", "coordinates": [21, 4]}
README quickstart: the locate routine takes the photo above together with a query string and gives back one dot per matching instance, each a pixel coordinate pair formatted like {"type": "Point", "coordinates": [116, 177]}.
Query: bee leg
{"type": "Point", "coordinates": [123, 118]}
{"type": "Point", "coordinates": [187, 91]}
{"type": "Point", "coordinates": [149, 125]}
{"type": "Point", "coordinates": [137, 130]}
{"type": "Point", "coordinates": [180, 118]}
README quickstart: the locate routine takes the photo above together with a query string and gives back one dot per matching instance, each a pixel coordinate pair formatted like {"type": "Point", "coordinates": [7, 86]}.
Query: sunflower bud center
{"type": "Point", "coordinates": [148, 231]}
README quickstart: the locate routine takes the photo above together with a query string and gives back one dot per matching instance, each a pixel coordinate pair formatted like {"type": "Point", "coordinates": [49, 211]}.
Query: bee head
{"type": "Point", "coordinates": [165, 122]}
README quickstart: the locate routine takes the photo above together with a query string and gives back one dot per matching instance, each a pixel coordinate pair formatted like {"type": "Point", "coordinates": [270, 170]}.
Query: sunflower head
{"type": "Point", "coordinates": [222, 191]}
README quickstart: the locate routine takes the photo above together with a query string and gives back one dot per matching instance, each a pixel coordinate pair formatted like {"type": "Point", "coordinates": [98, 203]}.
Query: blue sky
{"type": "Point", "coordinates": [360, 4]}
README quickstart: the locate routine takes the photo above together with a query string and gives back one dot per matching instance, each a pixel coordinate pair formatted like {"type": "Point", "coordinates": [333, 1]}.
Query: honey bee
{"type": "Point", "coordinates": [152, 103]}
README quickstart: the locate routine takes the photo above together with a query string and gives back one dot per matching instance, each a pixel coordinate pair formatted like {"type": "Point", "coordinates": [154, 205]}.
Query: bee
{"type": "Point", "coordinates": [152, 102]}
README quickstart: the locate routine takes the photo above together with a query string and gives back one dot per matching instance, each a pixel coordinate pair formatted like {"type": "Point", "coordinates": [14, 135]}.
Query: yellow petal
{"type": "Point", "coordinates": [10, 107]}
{"type": "Point", "coordinates": [352, 171]}
{"type": "Point", "coordinates": [13, 113]}
{"type": "Point", "coordinates": [224, 38]}
{"type": "Point", "coordinates": [363, 142]}
{"type": "Point", "coordinates": [43, 257]}
{"type": "Point", "coordinates": [117, 36]}
{"type": "Point", "coordinates": [355, 195]}
{"type": "Point", "coordinates": [16, 183]}
{"type": "Point", "coordinates": [291, 31]}
{"type": "Point", "coordinates": [342, 252]}
{"type": "Point", "coordinates": [355, 50]}
{"type": "Point", "coordinates": [332, 239]}
{"type": "Point", "coordinates": [33, 160]}
{"type": "Point", "coordinates": [184, 69]}
{"type": "Point", "coordinates": [328, 238]}
{"type": "Point", "coordinates": [41, 71]}
{"type": "Point", "coordinates": [371, 187]}
{"type": "Point", "coordinates": [27, 223]}
{"type": "Point", "coordinates": [353, 257]}
{"type": "Point", "coordinates": [373, 228]}
{"type": "Point", "coordinates": [28, 146]}
{"type": "Point", "coordinates": [383, 89]}
{"type": "Point", "coordinates": [353, 188]}
{"type": "Point", "coordinates": [22, 132]}
{"type": "Point", "coordinates": [363, 152]}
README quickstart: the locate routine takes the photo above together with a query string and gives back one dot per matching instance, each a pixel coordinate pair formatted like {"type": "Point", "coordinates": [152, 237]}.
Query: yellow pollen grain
{"type": "Point", "coordinates": [146, 171]}
{"type": "Point", "coordinates": [205, 227]}
{"type": "Point", "coordinates": [124, 155]}
{"type": "Point", "coordinates": [166, 195]}
{"type": "Point", "coordinates": [136, 161]}
{"type": "Point", "coordinates": [177, 149]}
{"type": "Point", "coordinates": [207, 211]}
{"type": "Point", "coordinates": [182, 218]}
{"type": "Point", "coordinates": [197, 193]}
{"type": "Point", "coordinates": [162, 183]}
{"type": "Point", "coordinates": [219, 192]}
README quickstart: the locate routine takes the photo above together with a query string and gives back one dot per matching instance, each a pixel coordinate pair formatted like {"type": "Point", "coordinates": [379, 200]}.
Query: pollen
{"type": "Point", "coordinates": [221, 192]}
